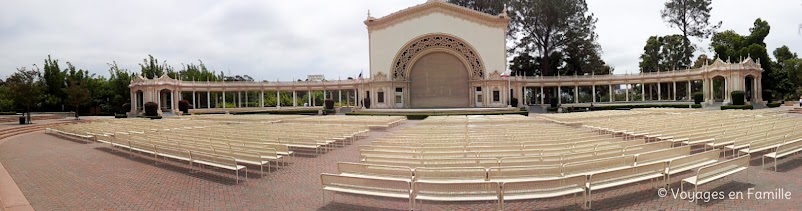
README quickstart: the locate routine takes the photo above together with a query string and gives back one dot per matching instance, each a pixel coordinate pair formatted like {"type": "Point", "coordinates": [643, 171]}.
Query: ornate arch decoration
{"type": "Point", "coordinates": [406, 57]}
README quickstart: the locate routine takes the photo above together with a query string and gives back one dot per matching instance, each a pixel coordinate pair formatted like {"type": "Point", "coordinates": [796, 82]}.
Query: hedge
{"type": "Point", "coordinates": [8, 113]}
{"type": "Point", "coordinates": [749, 107]}
{"type": "Point", "coordinates": [118, 116]}
{"type": "Point", "coordinates": [183, 106]}
{"type": "Point", "coordinates": [737, 97]}
{"type": "Point", "coordinates": [615, 107]}
{"type": "Point", "coordinates": [698, 97]}
{"type": "Point", "coordinates": [151, 109]}
{"type": "Point", "coordinates": [424, 115]}
{"type": "Point", "coordinates": [281, 112]}
{"type": "Point", "coordinates": [773, 105]}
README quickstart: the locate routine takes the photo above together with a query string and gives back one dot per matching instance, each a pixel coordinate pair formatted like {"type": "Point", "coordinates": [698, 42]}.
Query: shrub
{"type": "Point", "coordinates": [553, 101]}
{"type": "Point", "coordinates": [748, 107]}
{"type": "Point", "coordinates": [183, 106]}
{"type": "Point", "coordinates": [329, 104]}
{"type": "Point", "coordinates": [118, 116]}
{"type": "Point", "coordinates": [151, 109]}
{"type": "Point", "coordinates": [514, 102]}
{"type": "Point", "coordinates": [773, 105]}
{"type": "Point", "coordinates": [366, 102]}
{"type": "Point", "coordinates": [126, 107]}
{"type": "Point", "coordinates": [696, 106]}
{"type": "Point", "coordinates": [8, 113]}
{"type": "Point", "coordinates": [698, 97]}
{"type": "Point", "coordinates": [768, 95]}
{"type": "Point", "coordinates": [551, 109]}
{"type": "Point", "coordinates": [329, 111]}
{"type": "Point", "coordinates": [737, 97]}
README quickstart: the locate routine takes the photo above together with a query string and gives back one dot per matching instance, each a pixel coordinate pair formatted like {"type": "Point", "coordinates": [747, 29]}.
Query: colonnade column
{"type": "Point", "coordinates": [675, 91]}
{"type": "Point", "coordinates": [559, 95]}
{"type": "Point", "coordinates": [224, 99]}
{"type": "Point", "coordinates": [194, 103]}
{"type": "Point", "coordinates": [208, 99]}
{"type": "Point", "coordinates": [133, 101]}
{"type": "Point", "coordinates": [643, 92]}
{"type": "Point", "coordinates": [340, 97]}
{"type": "Point", "coordinates": [542, 96]}
{"type": "Point", "coordinates": [593, 93]}
{"type": "Point", "coordinates": [659, 93]}
{"type": "Point", "coordinates": [610, 94]}
{"type": "Point", "coordinates": [246, 98]}
{"type": "Point", "coordinates": [278, 98]}
{"type": "Point", "coordinates": [576, 94]}
{"type": "Point", "coordinates": [294, 102]}
{"type": "Point", "coordinates": [262, 99]}
{"type": "Point", "coordinates": [689, 90]}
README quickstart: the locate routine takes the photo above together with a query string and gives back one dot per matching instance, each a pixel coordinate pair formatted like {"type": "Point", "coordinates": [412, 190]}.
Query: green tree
{"type": "Point", "coordinates": [152, 69]}
{"type": "Point", "coordinates": [77, 94]}
{"type": "Point", "coordinates": [54, 84]}
{"type": "Point", "coordinates": [560, 32]}
{"type": "Point", "coordinates": [651, 57]}
{"type": "Point", "coordinates": [702, 60]}
{"type": "Point", "coordinates": [118, 82]}
{"type": "Point", "coordinates": [524, 64]}
{"type": "Point", "coordinates": [784, 53]}
{"type": "Point", "coordinates": [6, 104]}
{"type": "Point", "coordinates": [493, 7]}
{"type": "Point", "coordinates": [785, 73]}
{"type": "Point", "coordinates": [25, 88]}
{"type": "Point", "coordinates": [692, 17]}
{"type": "Point", "coordinates": [729, 46]}
{"type": "Point", "coordinates": [675, 53]}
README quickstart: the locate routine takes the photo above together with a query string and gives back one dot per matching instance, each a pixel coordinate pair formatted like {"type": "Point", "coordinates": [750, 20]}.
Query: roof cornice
{"type": "Point", "coordinates": [437, 6]}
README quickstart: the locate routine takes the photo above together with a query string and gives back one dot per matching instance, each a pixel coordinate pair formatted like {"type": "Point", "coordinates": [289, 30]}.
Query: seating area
{"type": "Point", "coordinates": [226, 142]}
{"type": "Point", "coordinates": [442, 158]}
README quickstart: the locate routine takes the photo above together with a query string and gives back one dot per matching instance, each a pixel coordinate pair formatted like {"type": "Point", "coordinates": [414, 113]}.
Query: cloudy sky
{"type": "Point", "coordinates": [280, 39]}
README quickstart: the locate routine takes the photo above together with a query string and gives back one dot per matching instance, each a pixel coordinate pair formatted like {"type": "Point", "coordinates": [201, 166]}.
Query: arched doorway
{"type": "Point", "coordinates": [749, 88]}
{"type": "Point", "coordinates": [140, 101]}
{"type": "Point", "coordinates": [166, 100]}
{"type": "Point", "coordinates": [719, 89]}
{"type": "Point", "coordinates": [439, 80]}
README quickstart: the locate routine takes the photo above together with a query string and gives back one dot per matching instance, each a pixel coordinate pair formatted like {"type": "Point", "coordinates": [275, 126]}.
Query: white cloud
{"type": "Point", "coordinates": [275, 39]}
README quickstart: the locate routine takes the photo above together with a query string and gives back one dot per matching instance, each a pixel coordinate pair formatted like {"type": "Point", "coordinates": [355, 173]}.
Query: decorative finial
{"type": "Point", "coordinates": [370, 18]}
{"type": "Point", "coordinates": [503, 12]}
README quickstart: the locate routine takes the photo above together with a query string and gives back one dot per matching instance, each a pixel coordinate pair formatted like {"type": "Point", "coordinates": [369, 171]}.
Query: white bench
{"type": "Point", "coordinates": [523, 173]}
{"type": "Point", "coordinates": [538, 189]}
{"type": "Point", "coordinates": [456, 191]}
{"type": "Point", "coordinates": [690, 162]}
{"type": "Point", "coordinates": [663, 155]}
{"type": "Point", "coordinates": [717, 171]}
{"type": "Point", "coordinates": [223, 162]}
{"type": "Point", "coordinates": [375, 171]}
{"type": "Point", "coordinates": [174, 153]}
{"type": "Point", "coordinates": [785, 149]}
{"type": "Point", "coordinates": [366, 186]}
{"type": "Point", "coordinates": [456, 174]}
{"type": "Point", "coordinates": [623, 176]}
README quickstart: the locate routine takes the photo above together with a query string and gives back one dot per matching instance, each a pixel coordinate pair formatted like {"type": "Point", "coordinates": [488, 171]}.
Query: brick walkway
{"type": "Point", "coordinates": [56, 174]}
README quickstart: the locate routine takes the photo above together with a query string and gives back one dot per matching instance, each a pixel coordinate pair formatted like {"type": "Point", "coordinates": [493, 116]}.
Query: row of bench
{"type": "Point", "coordinates": [517, 183]}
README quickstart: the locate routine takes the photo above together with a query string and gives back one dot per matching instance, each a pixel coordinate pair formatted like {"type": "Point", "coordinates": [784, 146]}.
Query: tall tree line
{"type": "Point", "coordinates": [550, 37]}
{"type": "Point", "coordinates": [70, 88]}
